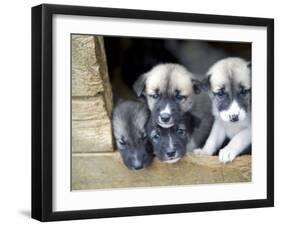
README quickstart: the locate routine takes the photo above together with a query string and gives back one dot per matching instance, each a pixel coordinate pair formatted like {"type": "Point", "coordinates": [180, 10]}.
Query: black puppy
{"type": "Point", "coordinates": [170, 144]}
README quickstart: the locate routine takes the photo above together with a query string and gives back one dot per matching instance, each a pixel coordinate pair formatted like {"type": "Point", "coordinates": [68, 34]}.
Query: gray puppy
{"type": "Point", "coordinates": [129, 128]}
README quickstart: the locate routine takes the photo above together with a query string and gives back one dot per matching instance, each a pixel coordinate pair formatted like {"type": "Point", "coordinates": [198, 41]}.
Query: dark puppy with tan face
{"type": "Point", "coordinates": [170, 144]}
{"type": "Point", "coordinates": [129, 128]}
{"type": "Point", "coordinates": [169, 90]}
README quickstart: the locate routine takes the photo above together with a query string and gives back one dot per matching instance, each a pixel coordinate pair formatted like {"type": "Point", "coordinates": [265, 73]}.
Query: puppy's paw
{"type": "Point", "coordinates": [226, 155]}
{"type": "Point", "coordinates": [200, 151]}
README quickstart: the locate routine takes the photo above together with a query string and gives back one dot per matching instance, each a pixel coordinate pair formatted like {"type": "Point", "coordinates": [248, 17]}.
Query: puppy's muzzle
{"type": "Point", "coordinates": [165, 120]}
{"type": "Point", "coordinates": [234, 117]}
{"type": "Point", "coordinates": [171, 154]}
{"type": "Point", "coordinates": [138, 167]}
{"type": "Point", "coordinates": [165, 117]}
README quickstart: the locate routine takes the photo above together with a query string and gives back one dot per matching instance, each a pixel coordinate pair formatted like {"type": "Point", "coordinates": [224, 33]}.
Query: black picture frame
{"type": "Point", "coordinates": [42, 111]}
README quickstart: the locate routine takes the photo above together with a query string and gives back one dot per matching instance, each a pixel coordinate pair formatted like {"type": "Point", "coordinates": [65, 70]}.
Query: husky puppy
{"type": "Point", "coordinates": [129, 128]}
{"type": "Point", "coordinates": [169, 90]}
{"type": "Point", "coordinates": [170, 144]}
{"type": "Point", "coordinates": [229, 85]}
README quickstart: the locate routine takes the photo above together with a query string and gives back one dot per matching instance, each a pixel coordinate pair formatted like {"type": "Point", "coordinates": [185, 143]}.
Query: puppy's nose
{"type": "Point", "coordinates": [233, 118]}
{"type": "Point", "coordinates": [171, 153]}
{"type": "Point", "coordinates": [138, 167]}
{"type": "Point", "coordinates": [165, 117]}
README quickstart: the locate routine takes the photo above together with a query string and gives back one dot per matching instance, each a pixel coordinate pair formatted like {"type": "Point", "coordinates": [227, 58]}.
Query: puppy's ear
{"type": "Point", "coordinates": [205, 83]}
{"type": "Point", "coordinates": [196, 86]}
{"type": "Point", "coordinates": [139, 84]}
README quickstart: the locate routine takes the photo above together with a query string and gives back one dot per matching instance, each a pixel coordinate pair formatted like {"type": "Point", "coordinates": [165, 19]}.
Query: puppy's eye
{"type": "Point", "coordinates": [180, 131]}
{"type": "Point", "coordinates": [244, 92]}
{"type": "Point", "coordinates": [180, 97]}
{"type": "Point", "coordinates": [155, 96]}
{"type": "Point", "coordinates": [156, 136]}
{"type": "Point", "coordinates": [122, 142]}
{"type": "Point", "coordinates": [220, 93]}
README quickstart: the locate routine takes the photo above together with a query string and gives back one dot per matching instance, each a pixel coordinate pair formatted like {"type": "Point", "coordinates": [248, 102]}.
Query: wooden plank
{"type": "Point", "coordinates": [89, 108]}
{"type": "Point", "coordinates": [91, 96]}
{"type": "Point", "coordinates": [103, 70]}
{"type": "Point", "coordinates": [98, 171]}
{"type": "Point", "coordinates": [86, 79]}
{"type": "Point", "coordinates": [89, 68]}
{"type": "Point", "coordinates": [92, 135]}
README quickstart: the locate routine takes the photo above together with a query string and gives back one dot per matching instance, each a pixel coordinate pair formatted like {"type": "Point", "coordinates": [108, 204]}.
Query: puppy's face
{"type": "Point", "coordinates": [135, 153]}
{"type": "Point", "coordinates": [169, 144]}
{"type": "Point", "coordinates": [169, 90]}
{"type": "Point", "coordinates": [230, 89]}
{"type": "Point", "coordinates": [129, 120]}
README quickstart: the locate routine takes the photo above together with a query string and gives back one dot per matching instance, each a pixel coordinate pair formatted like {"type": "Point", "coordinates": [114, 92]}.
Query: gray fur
{"type": "Point", "coordinates": [139, 84]}
{"type": "Point", "coordinates": [200, 132]}
{"type": "Point", "coordinates": [129, 121]}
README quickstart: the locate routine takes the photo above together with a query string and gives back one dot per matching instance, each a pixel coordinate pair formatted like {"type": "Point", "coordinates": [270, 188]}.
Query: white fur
{"type": "Point", "coordinates": [171, 144]}
{"type": "Point", "coordinates": [136, 159]}
{"type": "Point", "coordinates": [181, 80]}
{"type": "Point", "coordinates": [238, 132]}
{"type": "Point", "coordinates": [166, 110]}
{"type": "Point", "coordinates": [172, 161]}
{"type": "Point", "coordinates": [238, 143]}
{"type": "Point", "coordinates": [240, 135]}
{"type": "Point", "coordinates": [165, 125]}
{"type": "Point", "coordinates": [157, 78]}
{"type": "Point", "coordinates": [234, 109]}
{"type": "Point", "coordinates": [229, 68]}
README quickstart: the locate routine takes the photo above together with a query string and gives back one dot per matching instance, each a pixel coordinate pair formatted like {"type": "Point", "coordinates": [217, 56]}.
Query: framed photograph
{"type": "Point", "coordinates": [145, 112]}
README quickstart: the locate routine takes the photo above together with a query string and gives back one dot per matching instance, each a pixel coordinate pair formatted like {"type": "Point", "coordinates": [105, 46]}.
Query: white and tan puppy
{"type": "Point", "coordinates": [169, 90]}
{"type": "Point", "coordinates": [229, 85]}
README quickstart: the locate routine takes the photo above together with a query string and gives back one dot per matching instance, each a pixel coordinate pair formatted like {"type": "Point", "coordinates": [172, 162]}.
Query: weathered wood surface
{"type": "Point", "coordinates": [98, 171]}
{"type": "Point", "coordinates": [91, 136]}
{"type": "Point", "coordinates": [91, 96]}
{"type": "Point", "coordinates": [89, 68]}
{"type": "Point", "coordinates": [89, 108]}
